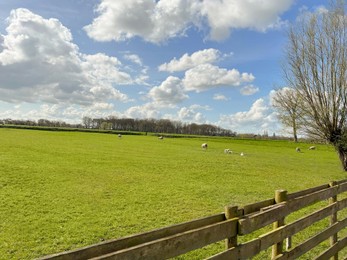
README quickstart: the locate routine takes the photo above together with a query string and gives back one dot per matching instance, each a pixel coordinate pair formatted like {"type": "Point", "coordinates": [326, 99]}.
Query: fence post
{"type": "Point", "coordinates": [231, 212]}
{"type": "Point", "coordinates": [333, 219]}
{"type": "Point", "coordinates": [277, 249]}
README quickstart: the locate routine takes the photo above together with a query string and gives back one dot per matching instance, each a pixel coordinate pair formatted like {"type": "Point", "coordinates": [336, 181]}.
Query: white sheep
{"type": "Point", "coordinates": [242, 154]}
{"type": "Point", "coordinates": [227, 151]}
{"type": "Point", "coordinates": [160, 138]}
{"type": "Point", "coordinates": [119, 135]}
{"type": "Point", "coordinates": [204, 146]}
{"type": "Point", "coordinates": [312, 148]}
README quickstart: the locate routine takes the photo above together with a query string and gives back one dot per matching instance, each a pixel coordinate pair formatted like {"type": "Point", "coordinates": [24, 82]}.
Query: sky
{"type": "Point", "coordinates": [195, 61]}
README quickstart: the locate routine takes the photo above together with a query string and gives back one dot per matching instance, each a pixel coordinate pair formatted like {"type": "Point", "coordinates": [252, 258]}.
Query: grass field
{"type": "Point", "coordinates": [65, 190]}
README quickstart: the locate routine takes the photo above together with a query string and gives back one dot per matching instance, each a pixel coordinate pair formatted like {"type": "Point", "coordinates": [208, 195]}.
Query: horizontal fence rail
{"type": "Point", "coordinates": [236, 222]}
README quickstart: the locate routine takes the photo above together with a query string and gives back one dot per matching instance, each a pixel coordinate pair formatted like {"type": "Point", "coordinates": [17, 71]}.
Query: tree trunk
{"type": "Point", "coordinates": [295, 138]}
{"type": "Point", "coordinates": [343, 157]}
{"type": "Point", "coordinates": [294, 131]}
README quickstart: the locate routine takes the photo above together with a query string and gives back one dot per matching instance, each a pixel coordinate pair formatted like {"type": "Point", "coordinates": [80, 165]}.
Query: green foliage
{"type": "Point", "coordinates": [64, 190]}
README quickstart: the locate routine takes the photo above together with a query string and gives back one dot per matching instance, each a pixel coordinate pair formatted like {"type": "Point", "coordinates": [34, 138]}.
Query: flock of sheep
{"type": "Point", "coordinates": [310, 148]}
{"type": "Point", "coordinates": [226, 151]}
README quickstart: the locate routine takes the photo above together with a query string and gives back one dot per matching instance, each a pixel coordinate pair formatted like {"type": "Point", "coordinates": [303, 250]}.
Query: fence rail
{"type": "Point", "coordinates": [233, 223]}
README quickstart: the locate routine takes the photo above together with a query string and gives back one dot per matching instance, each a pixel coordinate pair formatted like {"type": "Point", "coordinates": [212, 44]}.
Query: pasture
{"type": "Point", "coordinates": [65, 190]}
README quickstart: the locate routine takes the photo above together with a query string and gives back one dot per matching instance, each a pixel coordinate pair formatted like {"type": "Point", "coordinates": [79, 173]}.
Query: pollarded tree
{"type": "Point", "coordinates": [289, 109]}
{"type": "Point", "coordinates": [316, 67]}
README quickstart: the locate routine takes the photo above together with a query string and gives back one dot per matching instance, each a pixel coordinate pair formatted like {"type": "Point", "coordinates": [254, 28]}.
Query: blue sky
{"type": "Point", "coordinates": [202, 61]}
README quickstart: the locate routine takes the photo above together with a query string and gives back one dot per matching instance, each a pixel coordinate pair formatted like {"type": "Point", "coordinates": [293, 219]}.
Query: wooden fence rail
{"type": "Point", "coordinates": [236, 222]}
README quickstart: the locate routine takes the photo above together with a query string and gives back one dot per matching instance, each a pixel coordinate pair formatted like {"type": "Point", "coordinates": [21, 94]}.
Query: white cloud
{"type": "Point", "coordinates": [102, 106]}
{"type": "Point", "coordinates": [49, 110]}
{"type": "Point", "coordinates": [57, 112]}
{"type": "Point", "coordinates": [153, 21]}
{"type": "Point", "coordinates": [133, 58]}
{"type": "Point", "coordinates": [188, 62]}
{"type": "Point", "coordinates": [220, 97]}
{"type": "Point", "coordinates": [259, 117]}
{"type": "Point", "coordinates": [206, 76]}
{"type": "Point", "coordinates": [223, 16]}
{"type": "Point", "coordinates": [103, 68]}
{"type": "Point", "coordinates": [158, 21]}
{"type": "Point", "coordinates": [148, 110]}
{"type": "Point", "coordinates": [191, 114]}
{"type": "Point", "coordinates": [249, 90]}
{"type": "Point", "coordinates": [50, 66]}
{"type": "Point", "coordinates": [170, 92]}
{"type": "Point", "coordinates": [2, 38]}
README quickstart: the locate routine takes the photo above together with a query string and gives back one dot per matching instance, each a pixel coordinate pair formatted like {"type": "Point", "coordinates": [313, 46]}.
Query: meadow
{"type": "Point", "coordinates": [64, 190]}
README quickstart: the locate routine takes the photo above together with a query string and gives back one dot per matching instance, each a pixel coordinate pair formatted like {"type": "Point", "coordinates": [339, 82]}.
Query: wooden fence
{"type": "Point", "coordinates": [234, 223]}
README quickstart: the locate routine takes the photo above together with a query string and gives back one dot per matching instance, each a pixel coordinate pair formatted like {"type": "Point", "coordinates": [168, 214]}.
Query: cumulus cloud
{"type": "Point", "coordinates": [50, 66]}
{"type": "Point", "coordinates": [206, 76]}
{"type": "Point", "coordinates": [192, 114]}
{"type": "Point", "coordinates": [220, 97]}
{"type": "Point", "coordinates": [158, 21]}
{"type": "Point", "coordinates": [149, 110]}
{"type": "Point", "coordinates": [249, 90]}
{"type": "Point", "coordinates": [170, 92]}
{"type": "Point", "coordinates": [188, 62]}
{"type": "Point", "coordinates": [57, 112]}
{"type": "Point", "coordinates": [155, 21]}
{"type": "Point", "coordinates": [223, 16]}
{"type": "Point", "coordinates": [281, 91]}
{"type": "Point", "coordinates": [259, 117]}
{"type": "Point", "coordinates": [133, 58]}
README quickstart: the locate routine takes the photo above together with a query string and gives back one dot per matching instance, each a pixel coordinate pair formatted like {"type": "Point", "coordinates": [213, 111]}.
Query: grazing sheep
{"type": "Point", "coordinates": [227, 151]}
{"type": "Point", "coordinates": [160, 138]}
{"type": "Point", "coordinates": [119, 135]}
{"type": "Point", "coordinates": [312, 148]}
{"type": "Point", "coordinates": [242, 154]}
{"type": "Point", "coordinates": [298, 149]}
{"type": "Point", "coordinates": [204, 146]}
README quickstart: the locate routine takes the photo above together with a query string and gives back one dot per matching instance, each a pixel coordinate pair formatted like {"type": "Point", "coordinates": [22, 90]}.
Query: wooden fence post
{"type": "Point", "coordinates": [231, 212]}
{"type": "Point", "coordinates": [333, 219]}
{"type": "Point", "coordinates": [277, 249]}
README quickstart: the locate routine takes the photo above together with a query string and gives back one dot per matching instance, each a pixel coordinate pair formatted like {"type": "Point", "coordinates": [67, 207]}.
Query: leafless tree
{"type": "Point", "coordinates": [289, 108]}
{"type": "Point", "coordinates": [316, 59]}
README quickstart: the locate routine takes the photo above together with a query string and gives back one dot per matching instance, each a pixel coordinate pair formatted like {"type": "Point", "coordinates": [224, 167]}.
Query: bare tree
{"type": "Point", "coordinates": [87, 121]}
{"type": "Point", "coordinates": [289, 108]}
{"type": "Point", "coordinates": [316, 67]}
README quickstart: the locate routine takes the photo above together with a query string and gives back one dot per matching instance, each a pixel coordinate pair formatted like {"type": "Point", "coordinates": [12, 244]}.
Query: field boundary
{"type": "Point", "coordinates": [235, 222]}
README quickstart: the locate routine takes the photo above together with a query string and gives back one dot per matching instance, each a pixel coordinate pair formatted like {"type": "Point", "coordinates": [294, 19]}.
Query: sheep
{"type": "Point", "coordinates": [119, 135]}
{"type": "Point", "coordinates": [227, 151]}
{"type": "Point", "coordinates": [312, 148]}
{"type": "Point", "coordinates": [242, 154]}
{"type": "Point", "coordinates": [160, 138]}
{"type": "Point", "coordinates": [298, 149]}
{"type": "Point", "coordinates": [204, 146]}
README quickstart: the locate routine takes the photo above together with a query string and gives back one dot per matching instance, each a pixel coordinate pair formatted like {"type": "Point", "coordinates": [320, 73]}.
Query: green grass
{"type": "Point", "coordinates": [64, 190]}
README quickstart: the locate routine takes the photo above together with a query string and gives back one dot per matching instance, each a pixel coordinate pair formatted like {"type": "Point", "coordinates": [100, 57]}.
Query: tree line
{"type": "Point", "coordinates": [154, 126]}
{"type": "Point", "coordinates": [40, 122]}
{"type": "Point", "coordinates": [164, 126]}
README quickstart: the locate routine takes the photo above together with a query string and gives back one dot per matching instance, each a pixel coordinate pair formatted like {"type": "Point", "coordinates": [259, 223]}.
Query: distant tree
{"type": "Point", "coordinates": [87, 122]}
{"type": "Point", "coordinates": [43, 122]}
{"type": "Point", "coordinates": [316, 67]}
{"type": "Point", "coordinates": [288, 105]}
{"type": "Point", "coordinates": [105, 125]}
